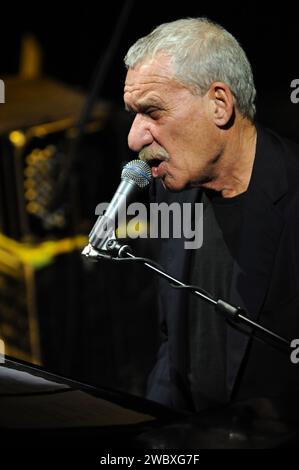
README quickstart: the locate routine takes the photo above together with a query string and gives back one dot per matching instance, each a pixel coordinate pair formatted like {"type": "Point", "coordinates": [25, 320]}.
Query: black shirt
{"type": "Point", "coordinates": [211, 269]}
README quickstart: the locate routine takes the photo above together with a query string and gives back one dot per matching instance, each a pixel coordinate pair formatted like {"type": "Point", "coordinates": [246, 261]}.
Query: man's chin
{"type": "Point", "coordinates": [200, 182]}
{"type": "Point", "coordinates": [173, 186]}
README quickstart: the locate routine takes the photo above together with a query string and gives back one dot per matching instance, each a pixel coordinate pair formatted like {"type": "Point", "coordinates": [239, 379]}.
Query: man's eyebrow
{"type": "Point", "coordinates": [142, 107]}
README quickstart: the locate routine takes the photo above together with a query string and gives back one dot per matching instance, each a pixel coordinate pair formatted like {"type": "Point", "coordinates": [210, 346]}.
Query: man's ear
{"type": "Point", "coordinates": [222, 103]}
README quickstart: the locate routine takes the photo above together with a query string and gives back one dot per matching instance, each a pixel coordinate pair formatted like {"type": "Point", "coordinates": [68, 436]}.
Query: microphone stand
{"type": "Point", "coordinates": [117, 252]}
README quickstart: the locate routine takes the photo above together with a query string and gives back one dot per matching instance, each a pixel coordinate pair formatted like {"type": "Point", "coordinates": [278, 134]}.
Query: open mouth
{"type": "Point", "coordinates": [154, 162]}
{"type": "Point", "coordinates": [157, 168]}
{"type": "Point", "coordinates": [156, 165]}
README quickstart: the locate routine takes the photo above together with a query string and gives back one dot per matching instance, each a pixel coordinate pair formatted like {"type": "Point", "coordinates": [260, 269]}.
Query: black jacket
{"type": "Point", "coordinates": [265, 280]}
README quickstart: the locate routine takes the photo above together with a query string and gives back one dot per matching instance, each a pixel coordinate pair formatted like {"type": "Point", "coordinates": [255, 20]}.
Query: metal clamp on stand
{"type": "Point", "coordinates": [112, 250]}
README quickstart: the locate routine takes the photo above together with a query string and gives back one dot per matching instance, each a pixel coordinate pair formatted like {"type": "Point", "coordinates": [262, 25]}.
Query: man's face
{"type": "Point", "coordinates": [171, 124]}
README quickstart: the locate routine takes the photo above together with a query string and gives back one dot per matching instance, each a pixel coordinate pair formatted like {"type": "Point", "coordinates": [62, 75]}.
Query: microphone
{"type": "Point", "coordinates": [136, 175]}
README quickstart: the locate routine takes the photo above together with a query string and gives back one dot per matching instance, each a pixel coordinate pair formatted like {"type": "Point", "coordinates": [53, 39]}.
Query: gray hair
{"type": "Point", "coordinates": [201, 52]}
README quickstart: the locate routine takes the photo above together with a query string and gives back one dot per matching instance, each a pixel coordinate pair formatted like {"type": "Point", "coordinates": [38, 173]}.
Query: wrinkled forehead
{"type": "Point", "coordinates": [147, 87]}
{"type": "Point", "coordinates": [158, 68]}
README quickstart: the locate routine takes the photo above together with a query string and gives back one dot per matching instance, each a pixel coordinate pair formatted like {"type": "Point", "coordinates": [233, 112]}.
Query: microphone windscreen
{"type": "Point", "coordinates": [138, 172]}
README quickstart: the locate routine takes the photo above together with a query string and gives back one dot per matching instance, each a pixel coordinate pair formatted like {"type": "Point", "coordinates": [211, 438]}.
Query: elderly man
{"type": "Point", "coordinates": [191, 89]}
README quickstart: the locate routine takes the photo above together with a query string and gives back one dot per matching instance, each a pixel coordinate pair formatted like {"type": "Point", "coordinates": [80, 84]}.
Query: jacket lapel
{"type": "Point", "coordinates": [260, 233]}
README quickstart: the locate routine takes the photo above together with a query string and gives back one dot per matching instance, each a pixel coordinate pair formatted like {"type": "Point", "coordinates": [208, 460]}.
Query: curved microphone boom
{"type": "Point", "coordinates": [136, 175]}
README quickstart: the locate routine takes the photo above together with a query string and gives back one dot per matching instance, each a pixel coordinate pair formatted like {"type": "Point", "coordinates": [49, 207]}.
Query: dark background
{"type": "Point", "coordinates": [99, 323]}
{"type": "Point", "coordinates": [73, 38]}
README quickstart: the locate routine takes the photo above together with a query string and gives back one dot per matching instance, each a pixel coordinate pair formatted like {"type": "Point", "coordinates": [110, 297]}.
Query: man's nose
{"type": "Point", "coordinates": [139, 135]}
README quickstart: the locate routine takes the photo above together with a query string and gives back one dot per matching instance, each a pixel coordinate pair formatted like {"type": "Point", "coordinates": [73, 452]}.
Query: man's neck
{"type": "Point", "coordinates": [234, 167]}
